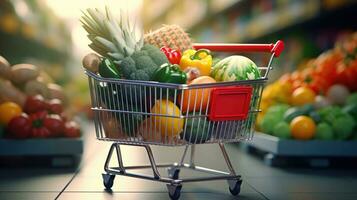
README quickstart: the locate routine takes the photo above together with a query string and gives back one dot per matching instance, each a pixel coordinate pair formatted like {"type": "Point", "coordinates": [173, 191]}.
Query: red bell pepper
{"type": "Point", "coordinates": [174, 56]}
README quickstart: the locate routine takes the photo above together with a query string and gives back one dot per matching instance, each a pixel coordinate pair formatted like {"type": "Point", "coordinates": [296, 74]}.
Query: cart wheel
{"type": "Point", "coordinates": [234, 186]}
{"type": "Point", "coordinates": [174, 191]}
{"type": "Point", "coordinates": [173, 172]}
{"type": "Point", "coordinates": [108, 180]}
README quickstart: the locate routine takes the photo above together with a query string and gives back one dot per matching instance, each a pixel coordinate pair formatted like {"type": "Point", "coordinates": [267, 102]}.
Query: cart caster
{"type": "Point", "coordinates": [174, 191]}
{"type": "Point", "coordinates": [108, 180]}
{"type": "Point", "coordinates": [234, 186]}
{"type": "Point", "coordinates": [173, 172]}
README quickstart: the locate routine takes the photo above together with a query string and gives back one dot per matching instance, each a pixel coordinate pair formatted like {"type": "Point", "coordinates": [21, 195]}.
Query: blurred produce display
{"type": "Point", "coordinates": [29, 29]}
{"type": "Point", "coordinates": [32, 105]}
{"type": "Point", "coordinates": [307, 27]}
{"type": "Point", "coordinates": [316, 101]}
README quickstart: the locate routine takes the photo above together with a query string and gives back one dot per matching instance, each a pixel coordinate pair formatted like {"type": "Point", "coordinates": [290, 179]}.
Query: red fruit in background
{"type": "Point", "coordinates": [38, 129]}
{"type": "Point", "coordinates": [40, 132]}
{"type": "Point", "coordinates": [19, 127]}
{"type": "Point", "coordinates": [35, 104]}
{"type": "Point", "coordinates": [347, 75]}
{"type": "Point", "coordinates": [55, 106]}
{"type": "Point", "coordinates": [54, 124]}
{"type": "Point", "coordinates": [72, 130]}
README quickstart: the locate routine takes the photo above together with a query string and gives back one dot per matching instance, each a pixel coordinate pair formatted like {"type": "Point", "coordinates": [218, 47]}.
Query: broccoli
{"type": "Point", "coordinates": [142, 64]}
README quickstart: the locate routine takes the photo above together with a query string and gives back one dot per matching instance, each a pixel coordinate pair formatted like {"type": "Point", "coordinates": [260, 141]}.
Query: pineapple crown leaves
{"type": "Point", "coordinates": [110, 36]}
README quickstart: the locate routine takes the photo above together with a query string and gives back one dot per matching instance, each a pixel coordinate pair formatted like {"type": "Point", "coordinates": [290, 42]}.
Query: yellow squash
{"type": "Point", "coordinates": [168, 125]}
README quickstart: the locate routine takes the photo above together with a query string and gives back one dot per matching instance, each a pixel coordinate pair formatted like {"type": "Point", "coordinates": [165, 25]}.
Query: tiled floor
{"type": "Point", "coordinates": [259, 181]}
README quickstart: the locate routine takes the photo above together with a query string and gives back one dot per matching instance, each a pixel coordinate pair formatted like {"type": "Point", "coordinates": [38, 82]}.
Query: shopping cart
{"type": "Point", "coordinates": [144, 113]}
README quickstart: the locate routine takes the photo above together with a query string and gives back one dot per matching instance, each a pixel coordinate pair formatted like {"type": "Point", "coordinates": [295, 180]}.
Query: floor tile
{"type": "Point", "coordinates": [301, 184]}
{"type": "Point", "coordinates": [33, 180]}
{"type": "Point", "coordinates": [312, 196]}
{"type": "Point", "coordinates": [28, 195]}
{"type": "Point", "coordinates": [153, 195]}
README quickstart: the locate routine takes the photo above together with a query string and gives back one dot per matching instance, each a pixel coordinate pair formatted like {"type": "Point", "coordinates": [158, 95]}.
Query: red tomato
{"type": "Point", "coordinates": [55, 106]}
{"type": "Point", "coordinates": [72, 130]}
{"type": "Point", "coordinates": [54, 124]}
{"type": "Point", "coordinates": [20, 127]}
{"type": "Point", "coordinates": [34, 104]}
{"type": "Point", "coordinates": [319, 85]}
{"type": "Point", "coordinates": [347, 75]}
{"type": "Point", "coordinates": [38, 130]}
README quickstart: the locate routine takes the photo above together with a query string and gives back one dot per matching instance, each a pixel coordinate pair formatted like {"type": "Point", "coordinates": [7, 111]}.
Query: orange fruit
{"type": "Point", "coordinates": [9, 110]}
{"type": "Point", "coordinates": [192, 99]}
{"type": "Point", "coordinates": [302, 128]}
{"type": "Point", "coordinates": [302, 95]}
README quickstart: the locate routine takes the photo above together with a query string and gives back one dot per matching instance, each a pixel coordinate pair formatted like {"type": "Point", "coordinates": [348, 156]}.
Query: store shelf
{"type": "Point", "coordinates": [247, 27]}
{"type": "Point", "coordinates": [41, 147]}
{"type": "Point", "coordinates": [311, 148]}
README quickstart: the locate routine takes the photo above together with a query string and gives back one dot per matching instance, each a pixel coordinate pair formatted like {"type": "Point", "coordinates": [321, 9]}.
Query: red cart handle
{"type": "Point", "coordinates": [276, 48]}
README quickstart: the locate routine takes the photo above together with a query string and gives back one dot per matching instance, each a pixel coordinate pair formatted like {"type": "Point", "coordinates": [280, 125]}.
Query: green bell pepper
{"type": "Point", "coordinates": [168, 73]}
{"type": "Point", "coordinates": [107, 69]}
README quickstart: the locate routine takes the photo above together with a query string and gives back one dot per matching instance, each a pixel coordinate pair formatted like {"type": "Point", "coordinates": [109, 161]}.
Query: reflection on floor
{"type": "Point", "coordinates": [259, 180]}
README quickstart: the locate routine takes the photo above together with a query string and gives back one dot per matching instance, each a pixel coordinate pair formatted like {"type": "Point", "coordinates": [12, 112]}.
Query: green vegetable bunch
{"type": "Point", "coordinates": [142, 64]}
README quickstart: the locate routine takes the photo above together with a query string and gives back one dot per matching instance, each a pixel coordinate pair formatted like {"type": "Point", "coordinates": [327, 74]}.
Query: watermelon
{"type": "Point", "coordinates": [235, 68]}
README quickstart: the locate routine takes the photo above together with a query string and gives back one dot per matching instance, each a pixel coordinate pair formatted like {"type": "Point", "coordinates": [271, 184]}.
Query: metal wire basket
{"type": "Point", "coordinates": [140, 113]}
{"type": "Point", "coordinates": [147, 112]}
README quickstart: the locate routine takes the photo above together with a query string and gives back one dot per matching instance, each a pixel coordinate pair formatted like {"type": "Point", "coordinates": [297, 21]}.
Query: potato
{"type": "Point", "coordinates": [8, 92]}
{"type": "Point", "coordinates": [111, 126]}
{"type": "Point", "coordinates": [5, 69]}
{"type": "Point", "coordinates": [44, 77]}
{"type": "Point", "coordinates": [56, 92]}
{"type": "Point", "coordinates": [35, 87]}
{"type": "Point", "coordinates": [147, 131]}
{"type": "Point", "coordinates": [23, 73]}
{"type": "Point", "coordinates": [91, 62]}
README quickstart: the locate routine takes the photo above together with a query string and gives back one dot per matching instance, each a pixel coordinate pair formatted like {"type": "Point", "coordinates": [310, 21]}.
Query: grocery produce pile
{"type": "Point", "coordinates": [164, 55]}
{"type": "Point", "coordinates": [31, 104]}
{"type": "Point", "coordinates": [318, 101]}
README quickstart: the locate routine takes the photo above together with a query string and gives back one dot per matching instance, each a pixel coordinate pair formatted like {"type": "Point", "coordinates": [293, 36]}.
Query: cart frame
{"type": "Point", "coordinates": [173, 181]}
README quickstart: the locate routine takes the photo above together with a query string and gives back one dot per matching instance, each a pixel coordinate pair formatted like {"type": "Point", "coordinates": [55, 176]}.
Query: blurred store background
{"type": "Point", "coordinates": [48, 34]}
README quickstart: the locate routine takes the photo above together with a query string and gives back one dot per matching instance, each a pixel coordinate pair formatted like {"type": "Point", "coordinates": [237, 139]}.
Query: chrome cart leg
{"type": "Point", "coordinates": [119, 157]}
{"type": "Point", "coordinates": [106, 164]}
{"type": "Point", "coordinates": [108, 178]}
{"type": "Point", "coordinates": [226, 158]}
{"type": "Point", "coordinates": [184, 155]}
{"type": "Point", "coordinates": [152, 162]}
{"type": "Point", "coordinates": [192, 158]}
{"type": "Point", "coordinates": [234, 183]}
{"type": "Point", "coordinates": [174, 171]}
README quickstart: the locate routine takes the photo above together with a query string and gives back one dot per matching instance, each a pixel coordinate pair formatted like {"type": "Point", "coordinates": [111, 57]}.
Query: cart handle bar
{"type": "Point", "coordinates": [276, 48]}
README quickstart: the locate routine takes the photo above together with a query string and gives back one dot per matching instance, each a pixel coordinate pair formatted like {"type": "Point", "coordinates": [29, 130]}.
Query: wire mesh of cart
{"type": "Point", "coordinates": [144, 113]}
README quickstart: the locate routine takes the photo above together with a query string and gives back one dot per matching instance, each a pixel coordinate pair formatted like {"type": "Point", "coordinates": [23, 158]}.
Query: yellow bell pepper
{"type": "Point", "coordinates": [200, 59]}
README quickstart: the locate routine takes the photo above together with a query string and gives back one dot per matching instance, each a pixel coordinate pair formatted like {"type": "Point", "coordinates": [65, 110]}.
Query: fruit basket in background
{"type": "Point", "coordinates": [225, 112]}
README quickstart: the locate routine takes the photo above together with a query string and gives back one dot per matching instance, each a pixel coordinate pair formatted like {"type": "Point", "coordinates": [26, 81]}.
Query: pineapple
{"type": "Point", "coordinates": [115, 39]}
{"type": "Point", "coordinates": [109, 36]}
{"type": "Point", "coordinates": [172, 36]}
